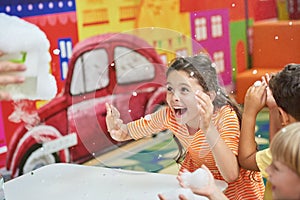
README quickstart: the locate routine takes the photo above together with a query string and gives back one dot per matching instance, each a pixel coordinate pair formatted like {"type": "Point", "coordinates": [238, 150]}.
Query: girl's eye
{"type": "Point", "coordinates": [169, 89]}
{"type": "Point", "coordinates": [184, 90]}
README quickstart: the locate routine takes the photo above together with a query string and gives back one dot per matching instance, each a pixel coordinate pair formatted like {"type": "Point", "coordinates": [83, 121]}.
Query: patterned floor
{"type": "Point", "coordinates": [150, 154]}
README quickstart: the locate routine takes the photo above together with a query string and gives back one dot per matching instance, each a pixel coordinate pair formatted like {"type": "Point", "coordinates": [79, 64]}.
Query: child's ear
{"type": "Point", "coordinates": [212, 95]}
{"type": "Point", "coordinates": [285, 118]}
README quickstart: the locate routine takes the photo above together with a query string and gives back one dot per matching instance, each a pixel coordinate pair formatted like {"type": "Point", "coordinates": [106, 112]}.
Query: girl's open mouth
{"type": "Point", "coordinates": [179, 112]}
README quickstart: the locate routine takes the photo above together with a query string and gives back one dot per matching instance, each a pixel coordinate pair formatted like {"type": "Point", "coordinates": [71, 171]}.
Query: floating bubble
{"type": "Point", "coordinates": [144, 81]}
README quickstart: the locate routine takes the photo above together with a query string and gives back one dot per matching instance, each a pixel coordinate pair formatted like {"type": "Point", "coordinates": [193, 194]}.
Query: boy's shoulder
{"type": "Point", "coordinates": [263, 160]}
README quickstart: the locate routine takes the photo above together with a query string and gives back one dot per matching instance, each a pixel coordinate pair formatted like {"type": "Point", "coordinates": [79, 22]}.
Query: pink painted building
{"type": "Point", "coordinates": [210, 30]}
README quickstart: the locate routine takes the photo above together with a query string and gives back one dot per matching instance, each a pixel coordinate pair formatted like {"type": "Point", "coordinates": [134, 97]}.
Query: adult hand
{"type": "Point", "coordinates": [7, 76]}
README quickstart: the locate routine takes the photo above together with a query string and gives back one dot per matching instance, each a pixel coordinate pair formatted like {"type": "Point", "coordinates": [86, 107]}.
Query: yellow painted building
{"type": "Point", "coordinates": [160, 23]}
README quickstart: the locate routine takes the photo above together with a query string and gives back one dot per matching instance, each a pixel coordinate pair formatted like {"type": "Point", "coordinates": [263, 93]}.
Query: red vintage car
{"type": "Point", "coordinates": [119, 68]}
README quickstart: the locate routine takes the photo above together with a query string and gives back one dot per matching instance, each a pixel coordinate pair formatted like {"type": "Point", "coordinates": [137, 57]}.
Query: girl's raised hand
{"type": "Point", "coordinates": [118, 131]}
{"type": "Point", "coordinates": [206, 109]}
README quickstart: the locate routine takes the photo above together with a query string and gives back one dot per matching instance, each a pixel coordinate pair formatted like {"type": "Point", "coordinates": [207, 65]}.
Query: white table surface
{"type": "Point", "coordinates": [78, 182]}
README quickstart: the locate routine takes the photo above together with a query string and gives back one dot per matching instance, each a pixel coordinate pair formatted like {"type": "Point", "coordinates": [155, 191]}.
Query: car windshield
{"type": "Point", "coordinates": [131, 66]}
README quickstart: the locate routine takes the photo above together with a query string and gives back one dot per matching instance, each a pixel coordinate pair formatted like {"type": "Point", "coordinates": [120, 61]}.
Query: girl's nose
{"type": "Point", "coordinates": [175, 96]}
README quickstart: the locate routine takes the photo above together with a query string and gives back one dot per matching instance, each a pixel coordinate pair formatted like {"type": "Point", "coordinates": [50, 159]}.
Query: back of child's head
{"type": "Point", "coordinates": [203, 69]}
{"type": "Point", "coordinates": [285, 146]}
{"type": "Point", "coordinates": [285, 86]}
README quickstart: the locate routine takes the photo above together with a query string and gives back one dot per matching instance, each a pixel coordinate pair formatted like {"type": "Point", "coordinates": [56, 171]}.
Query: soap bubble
{"type": "Point", "coordinates": [139, 78]}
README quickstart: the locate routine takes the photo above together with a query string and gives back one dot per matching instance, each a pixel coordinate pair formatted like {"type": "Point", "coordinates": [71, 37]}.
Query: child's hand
{"type": "Point", "coordinates": [255, 98]}
{"type": "Point", "coordinates": [206, 190]}
{"type": "Point", "coordinates": [206, 109]}
{"type": "Point", "coordinates": [115, 125]}
{"type": "Point", "coordinates": [270, 101]}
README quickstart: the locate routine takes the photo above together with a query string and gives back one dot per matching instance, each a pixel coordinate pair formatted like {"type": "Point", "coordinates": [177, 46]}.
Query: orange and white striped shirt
{"type": "Point", "coordinates": [249, 185]}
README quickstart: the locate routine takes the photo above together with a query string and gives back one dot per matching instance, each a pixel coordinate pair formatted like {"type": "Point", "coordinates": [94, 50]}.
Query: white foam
{"type": "Point", "coordinates": [196, 179]}
{"type": "Point", "coordinates": [174, 194]}
{"type": "Point", "coordinates": [19, 37]}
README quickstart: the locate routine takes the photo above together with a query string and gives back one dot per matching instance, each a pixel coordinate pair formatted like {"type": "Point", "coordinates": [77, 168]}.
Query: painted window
{"type": "Point", "coordinates": [218, 57]}
{"type": "Point", "coordinates": [95, 16]}
{"type": "Point", "coordinates": [216, 26]}
{"type": "Point", "coordinates": [200, 29]}
{"type": "Point", "coordinates": [131, 66]}
{"type": "Point", "coordinates": [182, 52]}
{"type": "Point", "coordinates": [128, 13]}
{"type": "Point", "coordinates": [65, 49]}
{"type": "Point", "coordinates": [90, 72]}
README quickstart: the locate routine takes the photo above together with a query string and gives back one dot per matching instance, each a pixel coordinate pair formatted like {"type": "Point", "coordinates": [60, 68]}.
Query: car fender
{"type": "Point", "coordinates": [49, 137]}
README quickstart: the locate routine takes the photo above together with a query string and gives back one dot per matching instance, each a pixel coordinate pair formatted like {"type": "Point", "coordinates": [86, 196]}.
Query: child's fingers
{"type": "Point", "coordinates": [182, 197]}
{"type": "Point", "coordinates": [161, 197]}
{"type": "Point", "coordinates": [115, 112]}
{"type": "Point", "coordinates": [268, 77]}
{"type": "Point", "coordinates": [108, 109]}
{"type": "Point", "coordinates": [110, 121]}
{"type": "Point", "coordinates": [179, 179]}
{"type": "Point", "coordinates": [258, 86]}
{"type": "Point", "coordinates": [203, 99]}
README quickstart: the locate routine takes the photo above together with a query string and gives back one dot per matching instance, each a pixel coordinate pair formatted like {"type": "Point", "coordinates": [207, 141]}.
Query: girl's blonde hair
{"type": "Point", "coordinates": [285, 146]}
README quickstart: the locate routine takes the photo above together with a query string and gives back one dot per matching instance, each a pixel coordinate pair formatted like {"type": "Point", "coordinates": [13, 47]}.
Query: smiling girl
{"type": "Point", "coordinates": [204, 120]}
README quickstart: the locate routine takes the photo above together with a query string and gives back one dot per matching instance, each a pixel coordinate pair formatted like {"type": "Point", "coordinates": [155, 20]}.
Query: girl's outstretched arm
{"type": "Point", "coordinates": [115, 126]}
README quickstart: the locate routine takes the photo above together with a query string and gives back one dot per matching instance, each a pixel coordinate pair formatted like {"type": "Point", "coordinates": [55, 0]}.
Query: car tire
{"type": "Point", "coordinates": [31, 160]}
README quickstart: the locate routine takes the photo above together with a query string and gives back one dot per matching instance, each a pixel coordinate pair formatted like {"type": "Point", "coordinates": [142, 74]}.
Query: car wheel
{"type": "Point", "coordinates": [34, 159]}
